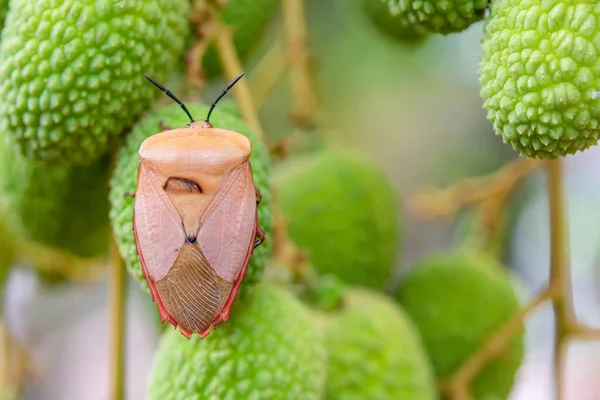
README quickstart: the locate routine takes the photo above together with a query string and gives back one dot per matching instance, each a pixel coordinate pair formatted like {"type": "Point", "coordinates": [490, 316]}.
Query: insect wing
{"type": "Point", "coordinates": [229, 223]}
{"type": "Point", "coordinates": [157, 226]}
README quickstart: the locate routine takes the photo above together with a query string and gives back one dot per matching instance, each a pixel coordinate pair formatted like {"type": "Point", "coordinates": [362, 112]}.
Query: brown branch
{"type": "Point", "coordinates": [232, 67]}
{"type": "Point", "coordinates": [117, 316]}
{"type": "Point", "coordinates": [490, 192]}
{"type": "Point", "coordinates": [305, 103]}
{"type": "Point", "coordinates": [267, 73]}
{"type": "Point", "coordinates": [560, 271]}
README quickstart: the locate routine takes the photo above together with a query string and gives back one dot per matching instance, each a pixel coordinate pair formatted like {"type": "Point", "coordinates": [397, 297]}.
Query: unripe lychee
{"type": "Point", "coordinates": [457, 300]}
{"type": "Point", "coordinates": [71, 71]}
{"type": "Point", "coordinates": [343, 211]}
{"type": "Point", "coordinates": [375, 351]}
{"type": "Point", "coordinates": [540, 75]}
{"type": "Point", "coordinates": [418, 18]}
{"type": "Point", "coordinates": [271, 348]}
{"type": "Point", "coordinates": [60, 206]}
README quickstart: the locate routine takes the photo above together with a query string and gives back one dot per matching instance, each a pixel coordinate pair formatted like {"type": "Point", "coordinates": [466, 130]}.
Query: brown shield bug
{"type": "Point", "coordinates": [195, 219]}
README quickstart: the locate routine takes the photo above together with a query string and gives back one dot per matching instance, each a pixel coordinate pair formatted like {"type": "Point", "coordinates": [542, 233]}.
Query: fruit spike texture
{"type": "Point", "coordinates": [377, 12]}
{"type": "Point", "coordinates": [59, 206]}
{"type": "Point", "coordinates": [540, 75]}
{"type": "Point", "coordinates": [457, 300]}
{"type": "Point", "coordinates": [271, 348]}
{"type": "Point", "coordinates": [375, 351]}
{"type": "Point", "coordinates": [248, 19]}
{"type": "Point", "coordinates": [342, 210]}
{"type": "Point", "coordinates": [71, 72]}
{"type": "Point", "coordinates": [124, 181]}
{"type": "Point", "coordinates": [414, 18]}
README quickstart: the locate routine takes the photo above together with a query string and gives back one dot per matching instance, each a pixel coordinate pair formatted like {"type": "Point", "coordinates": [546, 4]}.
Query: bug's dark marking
{"type": "Point", "coordinates": [130, 194]}
{"type": "Point", "coordinates": [260, 236]}
{"type": "Point", "coordinates": [171, 95]}
{"type": "Point", "coordinates": [181, 185]}
{"type": "Point", "coordinates": [212, 106]}
{"type": "Point", "coordinates": [191, 239]}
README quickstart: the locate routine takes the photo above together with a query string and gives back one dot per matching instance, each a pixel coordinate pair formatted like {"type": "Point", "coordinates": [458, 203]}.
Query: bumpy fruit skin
{"type": "Point", "coordinates": [540, 75]}
{"type": "Point", "coordinates": [375, 351]}
{"type": "Point", "coordinates": [378, 13]}
{"type": "Point", "coordinates": [271, 348]}
{"type": "Point", "coordinates": [59, 206]}
{"type": "Point", "coordinates": [248, 19]}
{"type": "Point", "coordinates": [418, 18]}
{"type": "Point", "coordinates": [457, 300]}
{"type": "Point", "coordinates": [124, 180]}
{"type": "Point", "coordinates": [71, 72]}
{"type": "Point", "coordinates": [342, 210]}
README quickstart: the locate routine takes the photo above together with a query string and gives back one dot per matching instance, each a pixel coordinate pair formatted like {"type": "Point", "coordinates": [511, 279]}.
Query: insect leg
{"type": "Point", "coordinates": [260, 236]}
{"type": "Point", "coordinates": [258, 196]}
{"type": "Point", "coordinates": [162, 126]}
{"type": "Point", "coordinates": [130, 194]}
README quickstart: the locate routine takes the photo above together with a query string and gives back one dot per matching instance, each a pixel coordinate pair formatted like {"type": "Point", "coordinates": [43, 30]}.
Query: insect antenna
{"type": "Point", "coordinates": [212, 106]}
{"type": "Point", "coordinates": [171, 95]}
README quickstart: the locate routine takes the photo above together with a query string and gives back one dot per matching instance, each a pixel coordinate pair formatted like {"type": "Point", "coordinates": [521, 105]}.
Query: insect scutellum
{"type": "Point", "coordinates": [212, 106]}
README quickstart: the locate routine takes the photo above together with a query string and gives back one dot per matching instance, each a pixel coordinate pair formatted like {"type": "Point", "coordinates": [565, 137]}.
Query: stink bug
{"type": "Point", "coordinates": [195, 219]}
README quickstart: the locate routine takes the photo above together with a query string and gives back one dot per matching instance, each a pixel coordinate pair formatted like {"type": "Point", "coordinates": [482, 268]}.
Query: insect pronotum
{"type": "Point", "coordinates": [195, 219]}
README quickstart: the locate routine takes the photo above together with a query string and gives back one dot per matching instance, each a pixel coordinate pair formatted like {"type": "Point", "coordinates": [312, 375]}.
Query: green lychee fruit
{"type": "Point", "coordinates": [71, 72]}
{"type": "Point", "coordinates": [540, 75]}
{"type": "Point", "coordinates": [3, 11]}
{"type": "Point", "coordinates": [124, 181]}
{"type": "Point", "coordinates": [377, 13]}
{"type": "Point", "coordinates": [457, 300]}
{"type": "Point", "coordinates": [248, 19]}
{"type": "Point", "coordinates": [271, 348]}
{"type": "Point", "coordinates": [375, 351]}
{"type": "Point", "coordinates": [59, 206]}
{"type": "Point", "coordinates": [418, 18]}
{"type": "Point", "coordinates": [342, 210]}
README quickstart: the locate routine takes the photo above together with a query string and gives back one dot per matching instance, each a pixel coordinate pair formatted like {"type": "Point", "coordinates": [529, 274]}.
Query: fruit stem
{"type": "Point", "coordinates": [117, 314]}
{"type": "Point", "coordinates": [560, 272]}
{"type": "Point", "coordinates": [305, 104]}
{"type": "Point", "coordinates": [232, 67]}
{"type": "Point", "coordinates": [490, 193]}
{"type": "Point", "coordinates": [9, 368]}
{"type": "Point", "coordinates": [267, 73]}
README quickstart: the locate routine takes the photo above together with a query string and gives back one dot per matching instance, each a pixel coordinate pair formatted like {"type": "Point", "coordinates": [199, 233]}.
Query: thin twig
{"type": "Point", "coordinates": [117, 315]}
{"type": "Point", "coordinates": [232, 67]}
{"type": "Point", "coordinates": [491, 191]}
{"type": "Point", "coordinates": [205, 36]}
{"type": "Point", "coordinates": [305, 103]}
{"type": "Point", "coordinates": [267, 73]}
{"type": "Point", "coordinates": [560, 271]}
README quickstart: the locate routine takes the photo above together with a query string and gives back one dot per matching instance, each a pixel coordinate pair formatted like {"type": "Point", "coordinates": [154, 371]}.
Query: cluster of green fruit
{"type": "Point", "coordinates": [71, 87]}
{"type": "Point", "coordinates": [539, 64]}
{"type": "Point", "coordinates": [348, 339]}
